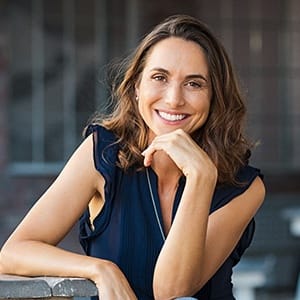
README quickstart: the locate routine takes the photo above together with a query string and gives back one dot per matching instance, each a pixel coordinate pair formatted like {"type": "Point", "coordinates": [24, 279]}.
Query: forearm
{"type": "Point", "coordinates": [179, 264]}
{"type": "Point", "coordinates": [33, 258]}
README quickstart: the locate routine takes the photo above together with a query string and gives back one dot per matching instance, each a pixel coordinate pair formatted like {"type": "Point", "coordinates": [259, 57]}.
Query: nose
{"type": "Point", "coordinates": [174, 96]}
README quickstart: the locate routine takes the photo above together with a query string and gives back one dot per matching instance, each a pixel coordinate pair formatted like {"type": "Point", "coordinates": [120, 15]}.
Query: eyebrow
{"type": "Point", "coordinates": [191, 76]}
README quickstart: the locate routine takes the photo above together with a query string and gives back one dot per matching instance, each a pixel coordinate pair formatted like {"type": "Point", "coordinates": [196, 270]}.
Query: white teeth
{"type": "Point", "coordinates": [171, 117]}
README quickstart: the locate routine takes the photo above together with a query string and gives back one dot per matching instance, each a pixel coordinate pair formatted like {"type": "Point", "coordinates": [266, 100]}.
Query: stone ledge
{"type": "Point", "coordinates": [44, 287]}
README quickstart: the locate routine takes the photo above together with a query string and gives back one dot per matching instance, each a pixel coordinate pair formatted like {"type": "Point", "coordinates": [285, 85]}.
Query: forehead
{"type": "Point", "coordinates": [177, 54]}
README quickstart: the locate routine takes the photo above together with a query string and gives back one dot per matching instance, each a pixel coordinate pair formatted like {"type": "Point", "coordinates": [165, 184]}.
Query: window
{"type": "Point", "coordinates": [265, 48]}
{"type": "Point", "coordinates": [56, 49]}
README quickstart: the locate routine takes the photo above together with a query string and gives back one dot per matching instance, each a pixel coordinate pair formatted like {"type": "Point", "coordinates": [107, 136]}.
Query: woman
{"type": "Point", "coordinates": [170, 195]}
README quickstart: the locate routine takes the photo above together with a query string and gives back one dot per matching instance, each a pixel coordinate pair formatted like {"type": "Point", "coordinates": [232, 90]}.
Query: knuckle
{"type": "Point", "coordinates": [180, 132]}
{"type": "Point", "coordinates": [173, 138]}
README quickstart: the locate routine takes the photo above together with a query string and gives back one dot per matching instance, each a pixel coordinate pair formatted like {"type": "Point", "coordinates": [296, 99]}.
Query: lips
{"type": "Point", "coordinates": [171, 117]}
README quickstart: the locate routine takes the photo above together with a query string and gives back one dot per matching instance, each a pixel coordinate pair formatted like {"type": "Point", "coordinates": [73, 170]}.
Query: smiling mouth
{"type": "Point", "coordinates": [171, 117]}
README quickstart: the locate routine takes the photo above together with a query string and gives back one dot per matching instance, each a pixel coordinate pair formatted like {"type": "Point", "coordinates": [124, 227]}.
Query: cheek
{"type": "Point", "coordinates": [202, 112]}
{"type": "Point", "coordinates": [149, 91]}
{"type": "Point", "coordinates": [202, 106]}
{"type": "Point", "coordinates": [143, 107]}
{"type": "Point", "coordinates": [147, 98]}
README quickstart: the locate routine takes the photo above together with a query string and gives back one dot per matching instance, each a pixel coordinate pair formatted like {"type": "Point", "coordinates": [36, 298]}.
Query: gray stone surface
{"type": "Point", "coordinates": [23, 287]}
{"type": "Point", "coordinates": [44, 287]}
{"type": "Point", "coordinates": [70, 287]}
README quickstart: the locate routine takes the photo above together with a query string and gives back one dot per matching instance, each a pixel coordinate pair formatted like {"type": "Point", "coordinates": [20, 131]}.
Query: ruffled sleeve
{"type": "Point", "coordinates": [105, 157]}
{"type": "Point", "coordinates": [105, 152]}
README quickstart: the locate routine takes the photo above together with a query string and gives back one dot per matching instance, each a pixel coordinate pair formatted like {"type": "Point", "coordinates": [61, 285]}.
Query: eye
{"type": "Point", "coordinates": [194, 84]}
{"type": "Point", "coordinates": [159, 77]}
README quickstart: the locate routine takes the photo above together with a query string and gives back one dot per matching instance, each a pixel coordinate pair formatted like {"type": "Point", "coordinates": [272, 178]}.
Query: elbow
{"type": "Point", "coordinates": [3, 264]}
{"type": "Point", "coordinates": [165, 290]}
{"type": "Point", "coordinates": [162, 292]}
{"type": "Point", "coordinates": [7, 259]}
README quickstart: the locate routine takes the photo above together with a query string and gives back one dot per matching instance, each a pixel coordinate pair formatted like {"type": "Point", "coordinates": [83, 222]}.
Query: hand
{"type": "Point", "coordinates": [185, 153]}
{"type": "Point", "coordinates": [111, 283]}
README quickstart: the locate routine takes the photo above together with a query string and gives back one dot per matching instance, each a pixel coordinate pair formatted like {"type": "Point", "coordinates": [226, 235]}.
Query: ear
{"type": "Point", "coordinates": [137, 89]}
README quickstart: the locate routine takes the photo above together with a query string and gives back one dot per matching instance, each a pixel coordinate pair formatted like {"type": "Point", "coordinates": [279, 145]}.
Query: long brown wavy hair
{"type": "Point", "coordinates": [222, 136]}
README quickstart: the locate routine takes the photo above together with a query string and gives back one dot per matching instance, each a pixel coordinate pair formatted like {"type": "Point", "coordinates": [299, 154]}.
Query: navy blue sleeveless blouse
{"type": "Point", "coordinates": [126, 231]}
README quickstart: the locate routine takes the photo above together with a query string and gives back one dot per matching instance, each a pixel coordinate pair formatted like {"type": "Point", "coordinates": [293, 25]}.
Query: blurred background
{"type": "Point", "coordinates": [53, 57]}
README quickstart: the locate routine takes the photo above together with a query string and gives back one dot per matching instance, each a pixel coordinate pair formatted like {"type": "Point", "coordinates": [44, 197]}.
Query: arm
{"type": "Point", "coordinates": [197, 243]}
{"type": "Point", "coordinates": [31, 250]}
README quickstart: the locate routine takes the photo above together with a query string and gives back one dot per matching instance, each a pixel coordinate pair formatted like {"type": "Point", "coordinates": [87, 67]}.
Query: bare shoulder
{"type": "Point", "coordinates": [256, 190]}
{"type": "Point", "coordinates": [82, 164]}
{"type": "Point", "coordinates": [246, 205]}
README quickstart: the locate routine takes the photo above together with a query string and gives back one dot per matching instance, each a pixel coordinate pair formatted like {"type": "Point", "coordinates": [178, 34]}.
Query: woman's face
{"type": "Point", "coordinates": [174, 89]}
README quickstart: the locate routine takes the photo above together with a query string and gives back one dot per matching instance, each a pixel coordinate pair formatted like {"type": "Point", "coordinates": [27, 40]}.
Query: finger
{"type": "Point", "coordinates": [148, 155]}
{"type": "Point", "coordinates": [147, 161]}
